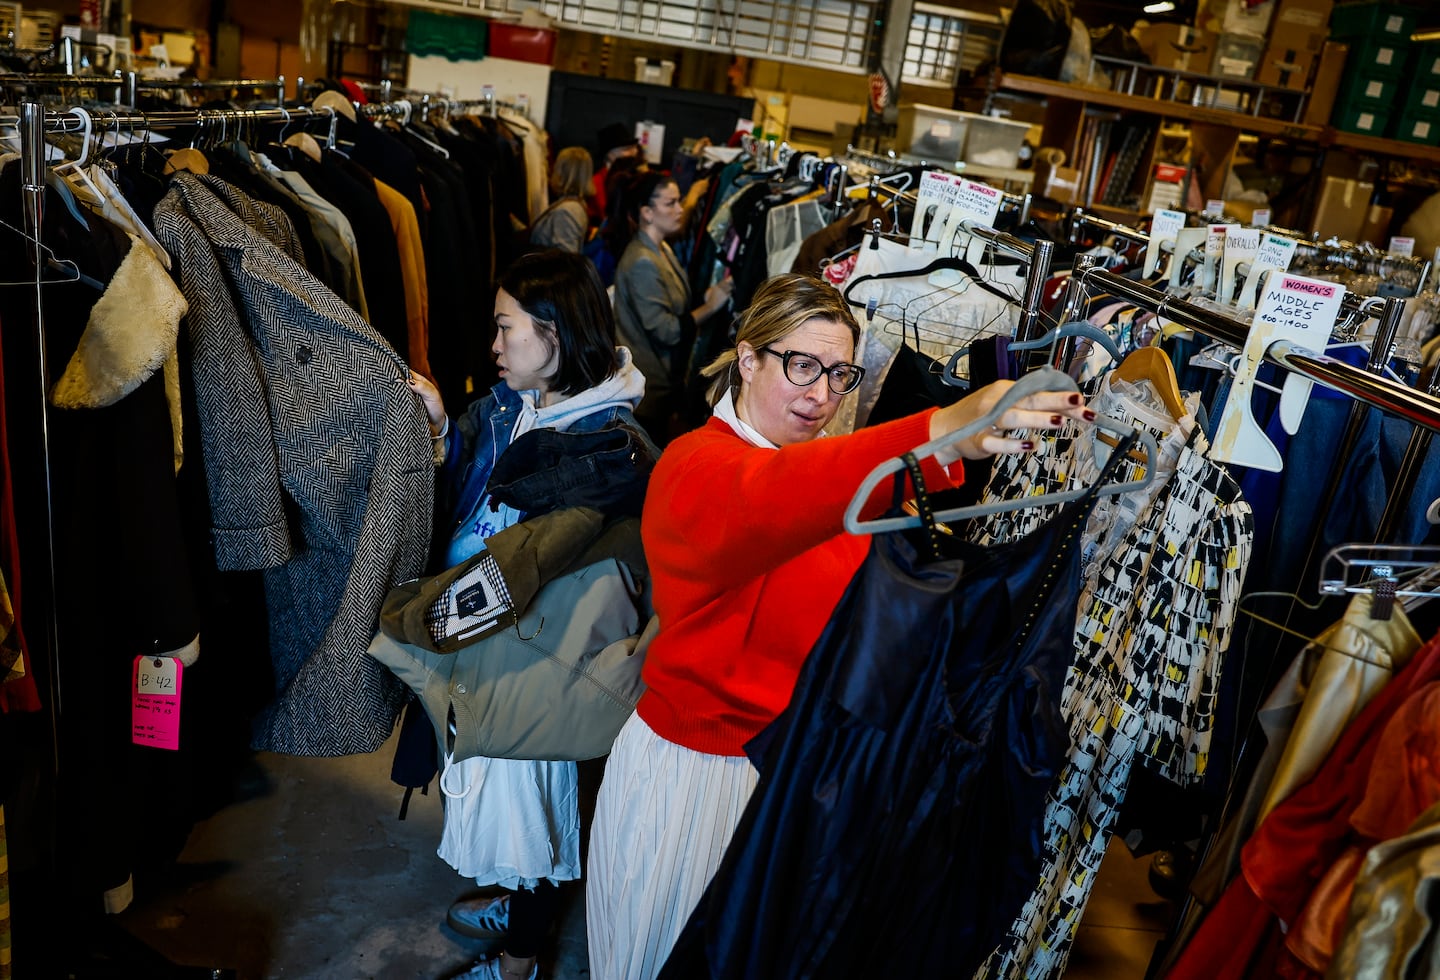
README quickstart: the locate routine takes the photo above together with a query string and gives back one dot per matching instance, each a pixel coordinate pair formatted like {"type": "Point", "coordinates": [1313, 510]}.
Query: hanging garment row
{"type": "Point", "coordinates": [1142, 696]}
{"type": "Point", "coordinates": [265, 467]}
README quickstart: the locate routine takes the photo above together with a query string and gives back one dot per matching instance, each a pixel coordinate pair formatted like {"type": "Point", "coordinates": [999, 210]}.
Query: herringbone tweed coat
{"type": "Point", "coordinates": [317, 458]}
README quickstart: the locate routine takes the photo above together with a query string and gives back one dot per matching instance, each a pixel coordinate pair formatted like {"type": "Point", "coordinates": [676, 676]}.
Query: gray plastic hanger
{"type": "Point", "coordinates": [1045, 379]}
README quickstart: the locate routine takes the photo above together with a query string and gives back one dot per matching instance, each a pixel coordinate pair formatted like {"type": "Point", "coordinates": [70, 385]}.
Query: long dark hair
{"type": "Point", "coordinates": [562, 292]}
{"type": "Point", "coordinates": [637, 190]}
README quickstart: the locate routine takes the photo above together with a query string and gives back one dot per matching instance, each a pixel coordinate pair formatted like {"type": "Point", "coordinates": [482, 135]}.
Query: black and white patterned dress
{"type": "Point", "coordinates": [1162, 574]}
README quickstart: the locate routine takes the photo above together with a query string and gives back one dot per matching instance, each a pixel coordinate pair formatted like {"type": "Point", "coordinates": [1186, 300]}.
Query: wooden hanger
{"type": "Point", "coordinates": [186, 158]}
{"type": "Point", "coordinates": [1153, 365]}
{"type": "Point", "coordinates": [334, 100]}
{"type": "Point", "coordinates": [305, 143]}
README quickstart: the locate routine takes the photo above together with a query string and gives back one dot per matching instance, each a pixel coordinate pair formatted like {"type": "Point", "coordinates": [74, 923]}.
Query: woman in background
{"type": "Point", "coordinates": [654, 312]}
{"type": "Point", "coordinates": [566, 222]}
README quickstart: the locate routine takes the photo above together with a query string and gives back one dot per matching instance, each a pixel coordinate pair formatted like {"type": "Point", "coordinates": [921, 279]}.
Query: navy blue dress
{"type": "Point", "coordinates": [896, 827]}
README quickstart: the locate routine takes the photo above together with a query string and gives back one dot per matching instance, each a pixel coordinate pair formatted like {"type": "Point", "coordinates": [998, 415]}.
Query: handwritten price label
{"type": "Point", "coordinates": [1164, 226]}
{"type": "Point", "coordinates": [1292, 308]}
{"type": "Point", "coordinates": [155, 702]}
{"type": "Point", "coordinates": [1241, 245]}
{"type": "Point", "coordinates": [1275, 252]}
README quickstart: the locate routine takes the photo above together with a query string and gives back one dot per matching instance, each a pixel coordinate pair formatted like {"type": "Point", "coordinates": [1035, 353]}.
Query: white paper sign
{"type": "Point", "coordinates": [652, 139]}
{"type": "Point", "coordinates": [1186, 241]}
{"type": "Point", "coordinates": [1276, 252]}
{"type": "Point", "coordinates": [1163, 228]}
{"type": "Point", "coordinates": [1402, 246]}
{"type": "Point", "coordinates": [974, 202]}
{"type": "Point", "coordinates": [1214, 206]}
{"type": "Point", "coordinates": [1214, 252]}
{"type": "Point", "coordinates": [1260, 218]}
{"type": "Point", "coordinates": [1292, 308]}
{"type": "Point", "coordinates": [937, 194]}
{"type": "Point", "coordinates": [1241, 245]}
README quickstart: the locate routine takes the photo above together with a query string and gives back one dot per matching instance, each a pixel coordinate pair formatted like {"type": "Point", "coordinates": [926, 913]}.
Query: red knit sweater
{"type": "Point", "coordinates": [749, 556]}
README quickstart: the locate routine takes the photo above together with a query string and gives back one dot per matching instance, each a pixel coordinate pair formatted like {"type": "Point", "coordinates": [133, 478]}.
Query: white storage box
{"type": "Point", "coordinates": [947, 135]}
{"type": "Point", "coordinates": [653, 71]}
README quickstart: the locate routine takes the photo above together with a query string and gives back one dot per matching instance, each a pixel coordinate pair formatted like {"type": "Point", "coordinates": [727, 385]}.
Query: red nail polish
{"type": "Point", "coordinates": [1089, 415]}
{"type": "Point", "coordinates": [1055, 420]}
{"type": "Point", "coordinates": [1027, 446]}
{"type": "Point", "coordinates": [1076, 399]}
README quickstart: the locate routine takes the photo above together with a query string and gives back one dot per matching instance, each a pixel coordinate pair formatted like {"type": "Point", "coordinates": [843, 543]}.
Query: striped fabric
{"type": "Point", "coordinates": [647, 871]}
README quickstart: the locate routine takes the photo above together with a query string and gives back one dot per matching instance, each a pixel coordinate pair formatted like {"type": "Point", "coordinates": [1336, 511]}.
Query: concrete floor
{"type": "Point", "coordinates": [318, 879]}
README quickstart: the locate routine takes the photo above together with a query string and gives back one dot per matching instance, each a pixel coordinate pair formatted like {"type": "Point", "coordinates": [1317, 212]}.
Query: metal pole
{"type": "Point", "coordinates": [1390, 396]}
{"type": "Point", "coordinates": [32, 160]}
{"type": "Point", "coordinates": [132, 88]}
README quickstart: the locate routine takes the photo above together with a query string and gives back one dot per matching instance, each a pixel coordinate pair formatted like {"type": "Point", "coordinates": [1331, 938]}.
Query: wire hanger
{"type": "Point", "coordinates": [1045, 379]}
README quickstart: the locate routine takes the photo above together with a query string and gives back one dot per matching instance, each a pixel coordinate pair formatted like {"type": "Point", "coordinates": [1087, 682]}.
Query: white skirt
{"type": "Point", "coordinates": [511, 822]}
{"type": "Point", "coordinates": [662, 821]}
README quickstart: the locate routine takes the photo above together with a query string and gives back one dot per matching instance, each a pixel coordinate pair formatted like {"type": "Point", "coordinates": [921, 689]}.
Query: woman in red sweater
{"type": "Point", "coordinates": [743, 531]}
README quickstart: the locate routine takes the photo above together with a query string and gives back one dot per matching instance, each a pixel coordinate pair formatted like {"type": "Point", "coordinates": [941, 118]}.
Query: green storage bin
{"type": "Point", "coordinates": [1391, 20]}
{"type": "Point", "coordinates": [1416, 128]}
{"type": "Point", "coordinates": [1370, 91]}
{"type": "Point", "coordinates": [1424, 98]}
{"type": "Point", "coordinates": [1364, 120]}
{"type": "Point", "coordinates": [1425, 62]}
{"type": "Point", "coordinates": [1377, 55]}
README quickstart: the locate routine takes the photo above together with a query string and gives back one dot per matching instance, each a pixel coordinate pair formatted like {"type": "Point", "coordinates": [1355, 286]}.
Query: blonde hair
{"type": "Point", "coordinates": [780, 306]}
{"type": "Point", "coordinates": [572, 173]}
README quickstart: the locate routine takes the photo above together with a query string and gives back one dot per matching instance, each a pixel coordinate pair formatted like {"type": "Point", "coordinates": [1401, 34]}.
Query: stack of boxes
{"type": "Point", "coordinates": [1375, 83]}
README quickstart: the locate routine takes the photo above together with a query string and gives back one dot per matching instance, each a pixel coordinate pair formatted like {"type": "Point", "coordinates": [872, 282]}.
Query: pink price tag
{"type": "Point", "coordinates": [155, 702]}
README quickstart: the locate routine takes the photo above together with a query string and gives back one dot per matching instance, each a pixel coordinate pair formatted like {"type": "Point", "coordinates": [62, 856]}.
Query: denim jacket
{"type": "Point", "coordinates": [475, 442]}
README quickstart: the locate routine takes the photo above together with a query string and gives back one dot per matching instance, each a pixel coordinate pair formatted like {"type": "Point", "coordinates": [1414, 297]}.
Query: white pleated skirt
{"type": "Point", "coordinates": [663, 819]}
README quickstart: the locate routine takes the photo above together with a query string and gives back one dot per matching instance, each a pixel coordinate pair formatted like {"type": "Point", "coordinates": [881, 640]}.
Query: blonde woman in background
{"type": "Point", "coordinates": [564, 223]}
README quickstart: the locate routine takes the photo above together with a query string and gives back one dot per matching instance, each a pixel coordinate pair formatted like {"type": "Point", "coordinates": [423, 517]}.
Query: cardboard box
{"type": "Point", "coordinates": [1301, 24]}
{"type": "Point", "coordinates": [1287, 68]}
{"type": "Point", "coordinates": [1342, 208]}
{"type": "Point", "coordinates": [1329, 70]}
{"type": "Point", "coordinates": [1178, 46]}
{"type": "Point", "coordinates": [1376, 226]}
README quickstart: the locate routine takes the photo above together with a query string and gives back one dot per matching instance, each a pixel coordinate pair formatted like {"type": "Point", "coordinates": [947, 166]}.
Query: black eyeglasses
{"type": "Point", "coordinates": [803, 370]}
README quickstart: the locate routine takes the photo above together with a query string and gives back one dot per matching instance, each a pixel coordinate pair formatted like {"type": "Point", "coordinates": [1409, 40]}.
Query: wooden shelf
{"type": "Point", "coordinates": [1384, 147]}
{"type": "Point", "coordinates": [1321, 135]}
{"type": "Point", "coordinates": [1155, 107]}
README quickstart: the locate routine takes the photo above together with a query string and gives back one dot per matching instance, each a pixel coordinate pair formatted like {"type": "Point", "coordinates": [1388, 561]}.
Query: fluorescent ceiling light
{"type": "Point", "coordinates": [1163, 7]}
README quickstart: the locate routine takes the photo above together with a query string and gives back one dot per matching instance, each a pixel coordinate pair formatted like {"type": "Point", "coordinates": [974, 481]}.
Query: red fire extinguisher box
{"type": "Point", "coordinates": [536, 44]}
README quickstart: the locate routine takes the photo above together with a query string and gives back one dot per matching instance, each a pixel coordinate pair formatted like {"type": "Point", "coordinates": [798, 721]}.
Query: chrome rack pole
{"type": "Point", "coordinates": [1390, 396]}
{"type": "Point", "coordinates": [32, 159]}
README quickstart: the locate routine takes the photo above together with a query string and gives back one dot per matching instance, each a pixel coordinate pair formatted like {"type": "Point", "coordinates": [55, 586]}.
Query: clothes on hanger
{"type": "Point", "coordinates": [932, 685]}
{"type": "Point", "coordinates": [1162, 571]}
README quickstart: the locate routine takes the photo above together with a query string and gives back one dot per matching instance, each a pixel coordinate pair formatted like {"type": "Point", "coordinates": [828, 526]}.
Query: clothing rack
{"type": "Point", "coordinates": [1354, 304]}
{"type": "Point", "coordinates": [118, 950]}
{"type": "Point", "coordinates": [134, 85]}
{"type": "Point", "coordinates": [1417, 407]}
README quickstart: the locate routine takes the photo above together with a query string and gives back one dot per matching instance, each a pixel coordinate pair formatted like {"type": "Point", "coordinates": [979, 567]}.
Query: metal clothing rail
{"type": "Point", "coordinates": [102, 121]}
{"type": "Point", "coordinates": [1417, 407]}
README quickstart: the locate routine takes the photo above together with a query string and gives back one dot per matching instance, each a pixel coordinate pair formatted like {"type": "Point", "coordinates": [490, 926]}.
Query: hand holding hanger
{"type": "Point", "coordinates": [975, 426]}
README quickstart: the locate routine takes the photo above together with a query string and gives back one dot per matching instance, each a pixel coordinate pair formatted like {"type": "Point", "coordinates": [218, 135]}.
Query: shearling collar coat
{"type": "Point", "coordinates": [318, 462]}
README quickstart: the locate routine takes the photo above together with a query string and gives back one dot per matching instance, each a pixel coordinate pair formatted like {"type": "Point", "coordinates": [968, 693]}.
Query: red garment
{"type": "Point", "coordinates": [748, 558]}
{"type": "Point", "coordinates": [20, 693]}
{"type": "Point", "coordinates": [596, 204]}
{"type": "Point", "coordinates": [1302, 837]}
